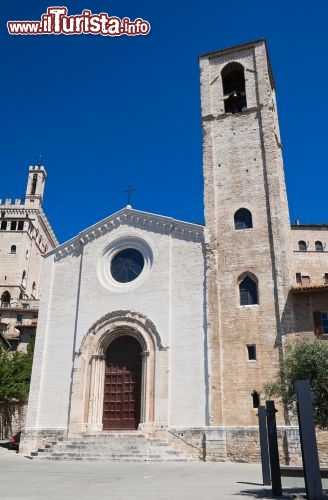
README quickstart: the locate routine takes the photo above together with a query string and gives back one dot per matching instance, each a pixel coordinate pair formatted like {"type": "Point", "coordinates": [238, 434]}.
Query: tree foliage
{"type": "Point", "coordinates": [307, 359]}
{"type": "Point", "coordinates": [15, 374]}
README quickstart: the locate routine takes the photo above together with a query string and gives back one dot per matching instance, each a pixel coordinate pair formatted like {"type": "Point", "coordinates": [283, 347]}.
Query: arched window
{"type": "Point", "coordinates": [318, 246]}
{"type": "Point", "coordinates": [248, 292]}
{"type": "Point", "coordinates": [20, 225]}
{"type": "Point", "coordinates": [13, 225]}
{"type": "Point", "coordinates": [13, 249]}
{"type": "Point", "coordinates": [243, 219]}
{"type": "Point", "coordinates": [33, 285]}
{"type": "Point", "coordinates": [256, 399]}
{"type": "Point", "coordinates": [234, 93]}
{"type": "Point", "coordinates": [4, 225]}
{"type": "Point", "coordinates": [24, 275]}
{"type": "Point", "coordinates": [302, 246]}
{"type": "Point", "coordinates": [5, 298]}
{"type": "Point", "coordinates": [34, 182]}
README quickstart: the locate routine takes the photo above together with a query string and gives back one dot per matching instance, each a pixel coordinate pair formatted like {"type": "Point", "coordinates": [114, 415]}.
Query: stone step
{"type": "Point", "coordinates": [108, 446]}
{"type": "Point", "coordinates": [122, 446]}
{"type": "Point", "coordinates": [92, 458]}
{"type": "Point", "coordinates": [138, 453]}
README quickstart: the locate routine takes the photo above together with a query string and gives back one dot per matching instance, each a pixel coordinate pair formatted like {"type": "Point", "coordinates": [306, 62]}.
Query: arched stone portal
{"type": "Point", "coordinates": [122, 385]}
{"type": "Point", "coordinates": [107, 335]}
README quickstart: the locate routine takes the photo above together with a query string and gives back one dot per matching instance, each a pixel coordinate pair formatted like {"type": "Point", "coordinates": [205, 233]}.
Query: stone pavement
{"type": "Point", "coordinates": [29, 480]}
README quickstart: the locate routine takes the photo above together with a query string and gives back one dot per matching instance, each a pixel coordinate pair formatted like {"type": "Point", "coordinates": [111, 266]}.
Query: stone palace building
{"type": "Point", "coordinates": [25, 237]}
{"type": "Point", "coordinates": [154, 326]}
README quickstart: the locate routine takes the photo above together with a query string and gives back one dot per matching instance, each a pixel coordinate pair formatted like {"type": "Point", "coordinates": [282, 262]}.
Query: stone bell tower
{"type": "Point", "coordinates": [248, 230]}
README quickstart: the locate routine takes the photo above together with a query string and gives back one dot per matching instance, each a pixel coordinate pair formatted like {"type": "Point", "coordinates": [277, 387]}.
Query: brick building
{"type": "Point", "coordinates": [172, 328]}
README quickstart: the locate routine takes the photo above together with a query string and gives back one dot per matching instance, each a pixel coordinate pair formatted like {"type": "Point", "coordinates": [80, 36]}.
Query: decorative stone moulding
{"type": "Point", "coordinates": [104, 263]}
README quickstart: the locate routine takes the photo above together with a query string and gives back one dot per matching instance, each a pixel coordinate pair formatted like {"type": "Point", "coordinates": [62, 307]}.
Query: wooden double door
{"type": "Point", "coordinates": [122, 397]}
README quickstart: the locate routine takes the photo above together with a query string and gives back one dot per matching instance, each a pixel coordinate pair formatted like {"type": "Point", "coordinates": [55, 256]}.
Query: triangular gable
{"type": "Point", "coordinates": [135, 218]}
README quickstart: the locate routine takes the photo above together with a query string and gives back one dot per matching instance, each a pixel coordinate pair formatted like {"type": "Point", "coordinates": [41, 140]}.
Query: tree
{"type": "Point", "coordinates": [306, 359]}
{"type": "Point", "coordinates": [15, 377]}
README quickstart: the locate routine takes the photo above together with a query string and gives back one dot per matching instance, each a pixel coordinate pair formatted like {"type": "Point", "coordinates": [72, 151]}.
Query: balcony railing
{"type": "Point", "coordinates": [20, 304]}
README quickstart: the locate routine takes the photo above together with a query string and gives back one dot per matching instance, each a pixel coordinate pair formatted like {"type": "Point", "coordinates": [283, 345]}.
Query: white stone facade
{"type": "Point", "coordinates": [81, 311]}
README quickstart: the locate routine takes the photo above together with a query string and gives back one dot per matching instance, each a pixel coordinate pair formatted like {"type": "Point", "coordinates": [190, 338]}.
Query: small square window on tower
{"type": "Point", "coordinates": [251, 352]}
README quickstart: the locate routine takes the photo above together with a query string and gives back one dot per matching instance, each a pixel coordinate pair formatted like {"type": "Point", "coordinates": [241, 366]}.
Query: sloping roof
{"type": "Point", "coordinates": [320, 227]}
{"type": "Point", "coordinates": [309, 288]}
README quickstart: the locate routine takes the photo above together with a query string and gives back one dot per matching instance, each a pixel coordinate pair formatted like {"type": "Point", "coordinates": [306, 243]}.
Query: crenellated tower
{"type": "Point", "coordinates": [25, 236]}
{"type": "Point", "coordinates": [35, 186]}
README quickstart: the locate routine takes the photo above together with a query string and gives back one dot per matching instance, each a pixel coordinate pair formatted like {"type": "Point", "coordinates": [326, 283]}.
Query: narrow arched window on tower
{"type": "Point", "coordinates": [234, 93]}
{"type": "Point", "coordinates": [302, 246]}
{"type": "Point", "coordinates": [13, 225]}
{"type": "Point", "coordinates": [24, 279]}
{"type": "Point", "coordinates": [5, 298]}
{"type": "Point", "coordinates": [20, 225]}
{"type": "Point", "coordinates": [3, 225]}
{"type": "Point", "coordinates": [318, 246]}
{"type": "Point", "coordinates": [34, 182]}
{"type": "Point", "coordinates": [248, 292]}
{"type": "Point", "coordinates": [243, 219]}
{"type": "Point", "coordinates": [13, 249]}
{"type": "Point", "coordinates": [256, 399]}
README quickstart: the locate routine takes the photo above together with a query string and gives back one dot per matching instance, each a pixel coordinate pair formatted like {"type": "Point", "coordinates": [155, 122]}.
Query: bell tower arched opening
{"type": "Point", "coordinates": [233, 81]}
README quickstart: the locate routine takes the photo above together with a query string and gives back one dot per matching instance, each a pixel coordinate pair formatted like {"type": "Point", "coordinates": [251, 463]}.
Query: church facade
{"type": "Point", "coordinates": [170, 328]}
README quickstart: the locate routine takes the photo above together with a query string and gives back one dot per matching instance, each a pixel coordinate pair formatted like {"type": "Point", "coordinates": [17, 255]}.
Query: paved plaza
{"type": "Point", "coordinates": [49, 480]}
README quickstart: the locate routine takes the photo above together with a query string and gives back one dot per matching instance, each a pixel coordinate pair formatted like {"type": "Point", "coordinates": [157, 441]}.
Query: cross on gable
{"type": "Point", "coordinates": [129, 191]}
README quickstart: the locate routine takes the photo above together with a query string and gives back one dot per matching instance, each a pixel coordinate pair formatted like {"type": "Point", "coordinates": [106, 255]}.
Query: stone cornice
{"type": "Point", "coordinates": [47, 228]}
{"type": "Point", "coordinates": [138, 219]}
{"type": "Point", "coordinates": [222, 116]}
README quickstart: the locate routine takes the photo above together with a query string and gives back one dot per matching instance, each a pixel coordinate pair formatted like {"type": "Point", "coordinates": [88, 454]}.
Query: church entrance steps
{"type": "Point", "coordinates": [125, 446]}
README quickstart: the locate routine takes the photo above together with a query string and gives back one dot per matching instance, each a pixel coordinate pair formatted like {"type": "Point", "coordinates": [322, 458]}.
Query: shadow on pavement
{"type": "Point", "coordinates": [247, 482]}
{"type": "Point", "coordinates": [288, 494]}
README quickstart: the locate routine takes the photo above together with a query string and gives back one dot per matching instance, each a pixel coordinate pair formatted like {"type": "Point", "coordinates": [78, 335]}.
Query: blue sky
{"type": "Point", "coordinates": [108, 112]}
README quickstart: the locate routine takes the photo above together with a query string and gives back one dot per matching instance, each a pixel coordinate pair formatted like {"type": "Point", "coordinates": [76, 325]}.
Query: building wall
{"type": "Point", "coordinates": [305, 304]}
{"type": "Point", "coordinates": [20, 267]}
{"type": "Point", "coordinates": [311, 263]}
{"type": "Point", "coordinates": [243, 169]}
{"type": "Point", "coordinates": [170, 296]}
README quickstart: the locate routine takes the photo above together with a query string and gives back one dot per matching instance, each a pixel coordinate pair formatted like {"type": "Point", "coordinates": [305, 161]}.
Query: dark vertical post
{"type": "Point", "coordinates": [273, 448]}
{"type": "Point", "coordinates": [310, 457]}
{"type": "Point", "coordinates": [264, 446]}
